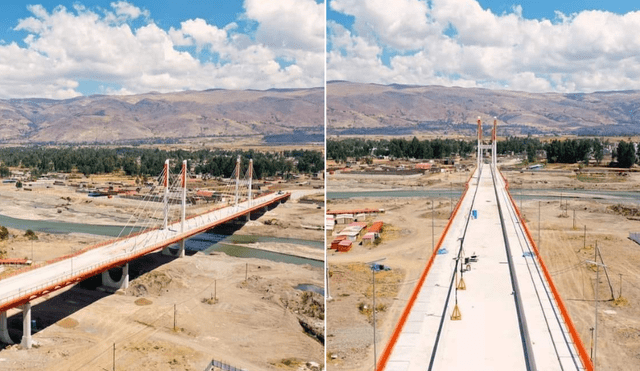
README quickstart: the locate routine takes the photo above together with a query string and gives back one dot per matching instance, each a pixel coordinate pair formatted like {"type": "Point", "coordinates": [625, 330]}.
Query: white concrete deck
{"type": "Point", "coordinates": [488, 337]}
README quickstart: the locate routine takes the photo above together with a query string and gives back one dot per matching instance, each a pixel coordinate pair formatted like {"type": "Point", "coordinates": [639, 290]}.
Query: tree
{"type": "Point", "coordinates": [598, 150]}
{"type": "Point", "coordinates": [626, 154]}
{"type": "Point", "coordinates": [531, 152]}
{"type": "Point", "coordinates": [18, 184]}
{"type": "Point", "coordinates": [4, 233]}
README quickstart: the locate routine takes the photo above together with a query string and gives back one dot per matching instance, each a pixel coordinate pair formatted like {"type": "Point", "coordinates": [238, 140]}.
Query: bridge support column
{"type": "Point", "coordinates": [26, 326]}
{"type": "Point", "coordinates": [4, 330]}
{"type": "Point", "coordinates": [181, 250]}
{"type": "Point", "coordinates": [124, 280]}
{"type": "Point", "coordinates": [247, 217]}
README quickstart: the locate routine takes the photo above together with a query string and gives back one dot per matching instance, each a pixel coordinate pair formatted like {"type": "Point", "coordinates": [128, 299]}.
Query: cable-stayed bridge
{"type": "Point", "coordinates": [155, 231]}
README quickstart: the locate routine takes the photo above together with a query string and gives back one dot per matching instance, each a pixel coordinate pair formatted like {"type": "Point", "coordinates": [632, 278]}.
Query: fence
{"type": "Point", "coordinates": [222, 366]}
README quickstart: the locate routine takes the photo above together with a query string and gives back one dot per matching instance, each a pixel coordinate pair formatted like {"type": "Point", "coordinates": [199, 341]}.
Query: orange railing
{"type": "Point", "coordinates": [384, 357]}
{"type": "Point", "coordinates": [582, 352]}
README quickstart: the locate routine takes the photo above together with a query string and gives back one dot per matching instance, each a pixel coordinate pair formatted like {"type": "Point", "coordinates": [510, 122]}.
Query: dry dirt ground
{"type": "Point", "coordinates": [406, 246]}
{"type": "Point", "coordinates": [254, 324]}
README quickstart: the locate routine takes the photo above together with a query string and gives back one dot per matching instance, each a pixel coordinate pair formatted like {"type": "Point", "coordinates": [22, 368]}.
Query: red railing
{"type": "Point", "coordinates": [384, 357]}
{"type": "Point", "coordinates": [582, 352]}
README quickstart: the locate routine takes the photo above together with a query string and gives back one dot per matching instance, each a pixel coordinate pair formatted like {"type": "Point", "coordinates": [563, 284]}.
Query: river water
{"type": "Point", "coordinates": [206, 242]}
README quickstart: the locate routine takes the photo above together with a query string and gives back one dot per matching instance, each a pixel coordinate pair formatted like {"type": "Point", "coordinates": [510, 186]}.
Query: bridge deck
{"type": "Point", "coordinates": [489, 335]}
{"type": "Point", "coordinates": [21, 288]}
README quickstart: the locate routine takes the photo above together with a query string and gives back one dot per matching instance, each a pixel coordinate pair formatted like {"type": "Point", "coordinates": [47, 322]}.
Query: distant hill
{"type": "Point", "coordinates": [275, 113]}
{"type": "Point", "coordinates": [371, 109]}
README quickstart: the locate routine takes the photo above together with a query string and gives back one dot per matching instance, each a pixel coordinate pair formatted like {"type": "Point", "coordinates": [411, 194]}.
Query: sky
{"type": "Point", "coordinates": [528, 45]}
{"type": "Point", "coordinates": [63, 49]}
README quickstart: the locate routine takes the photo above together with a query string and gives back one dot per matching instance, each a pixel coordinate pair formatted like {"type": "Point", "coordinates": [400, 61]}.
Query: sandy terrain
{"type": "Point", "coordinates": [406, 245]}
{"type": "Point", "coordinates": [249, 326]}
{"type": "Point", "coordinates": [254, 324]}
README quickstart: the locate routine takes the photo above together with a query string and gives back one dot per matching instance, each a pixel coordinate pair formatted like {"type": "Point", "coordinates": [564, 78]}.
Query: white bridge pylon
{"type": "Point", "coordinates": [490, 146]}
{"type": "Point", "coordinates": [240, 186]}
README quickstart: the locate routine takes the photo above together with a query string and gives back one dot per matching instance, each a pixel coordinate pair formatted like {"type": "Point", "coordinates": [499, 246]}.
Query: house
{"type": "Point", "coordinates": [345, 246]}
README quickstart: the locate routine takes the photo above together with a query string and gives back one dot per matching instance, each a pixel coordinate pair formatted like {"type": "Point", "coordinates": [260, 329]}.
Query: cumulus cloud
{"type": "Point", "coordinates": [64, 47]}
{"type": "Point", "coordinates": [457, 42]}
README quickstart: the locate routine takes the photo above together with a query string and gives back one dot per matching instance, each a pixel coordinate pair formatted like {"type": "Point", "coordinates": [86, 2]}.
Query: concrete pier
{"type": "Point", "coordinates": [4, 330]}
{"type": "Point", "coordinates": [26, 326]}
{"type": "Point", "coordinates": [123, 283]}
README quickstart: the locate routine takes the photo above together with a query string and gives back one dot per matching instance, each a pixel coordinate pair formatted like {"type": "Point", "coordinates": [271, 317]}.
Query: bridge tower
{"type": "Point", "coordinates": [166, 194]}
{"type": "Point", "coordinates": [183, 186]}
{"type": "Point", "coordinates": [482, 146]}
{"type": "Point", "coordinates": [494, 151]}
{"type": "Point", "coordinates": [250, 178]}
{"type": "Point", "coordinates": [237, 180]}
{"type": "Point", "coordinates": [184, 206]}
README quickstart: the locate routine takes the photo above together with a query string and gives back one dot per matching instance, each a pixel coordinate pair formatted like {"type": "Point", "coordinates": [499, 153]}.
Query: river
{"type": "Point", "coordinates": [206, 242]}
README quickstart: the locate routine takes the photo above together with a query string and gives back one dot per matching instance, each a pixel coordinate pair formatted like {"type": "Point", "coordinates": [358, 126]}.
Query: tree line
{"type": "Point", "coordinates": [340, 150]}
{"type": "Point", "coordinates": [150, 162]}
{"type": "Point", "coordinates": [567, 151]}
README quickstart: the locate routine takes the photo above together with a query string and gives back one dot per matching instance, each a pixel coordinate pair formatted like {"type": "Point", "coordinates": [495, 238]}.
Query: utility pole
{"type": "Point", "coordinates": [574, 218]}
{"type": "Point", "coordinates": [114, 356]}
{"type": "Point", "coordinates": [174, 317]}
{"type": "Point", "coordinates": [246, 271]}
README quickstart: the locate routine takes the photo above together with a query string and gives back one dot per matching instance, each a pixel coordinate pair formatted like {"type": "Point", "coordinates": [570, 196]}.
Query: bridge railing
{"type": "Point", "coordinates": [105, 243]}
{"type": "Point", "coordinates": [582, 352]}
{"type": "Point", "coordinates": [73, 276]}
{"type": "Point", "coordinates": [395, 335]}
{"type": "Point", "coordinates": [76, 275]}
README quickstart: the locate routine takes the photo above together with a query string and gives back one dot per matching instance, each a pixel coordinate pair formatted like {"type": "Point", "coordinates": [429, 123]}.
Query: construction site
{"type": "Point", "coordinates": [566, 214]}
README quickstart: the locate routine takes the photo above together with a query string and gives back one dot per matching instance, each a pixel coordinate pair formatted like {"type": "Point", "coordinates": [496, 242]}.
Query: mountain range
{"type": "Point", "coordinates": [274, 113]}
{"type": "Point", "coordinates": [372, 109]}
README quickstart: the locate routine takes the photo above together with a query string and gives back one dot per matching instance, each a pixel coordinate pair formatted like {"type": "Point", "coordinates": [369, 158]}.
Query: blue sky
{"type": "Point", "coordinates": [165, 14]}
{"type": "Point", "coordinates": [546, 9]}
{"type": "Point", "coordinates": [61, 49]}
{"type": "Point", "coordinates": [561, 45]}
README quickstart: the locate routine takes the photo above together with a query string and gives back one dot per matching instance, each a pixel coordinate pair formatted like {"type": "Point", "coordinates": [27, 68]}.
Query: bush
{"type": "Point", "coordinates": [4, 233]}
{"type": "Point", "coordinates": [30, 234]}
